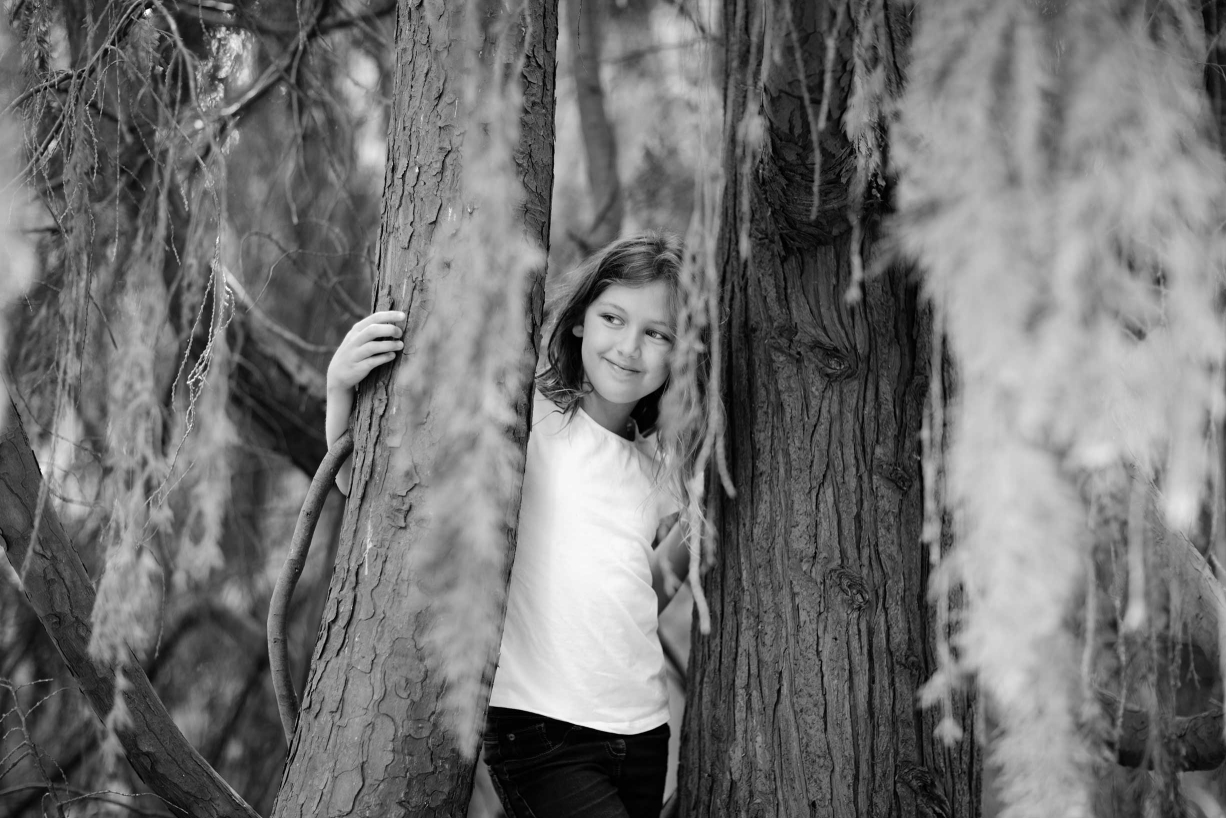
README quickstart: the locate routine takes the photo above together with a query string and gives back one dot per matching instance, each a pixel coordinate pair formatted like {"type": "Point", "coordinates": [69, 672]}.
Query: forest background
{"type": "Point", "coordinates": [287, 219]}
{"type": "Point", "coordinates": [999, 492]}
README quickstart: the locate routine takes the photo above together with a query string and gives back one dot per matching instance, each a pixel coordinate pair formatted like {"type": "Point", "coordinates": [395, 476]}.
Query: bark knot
{"type": "Point", "coordinates": [923, 785]}
{"type": "Point", "coordinates": [852, 586]}
{"type": "Point", "coordinates": [895, 474]}
{"type": "Point", "coordinates": [832, 363]}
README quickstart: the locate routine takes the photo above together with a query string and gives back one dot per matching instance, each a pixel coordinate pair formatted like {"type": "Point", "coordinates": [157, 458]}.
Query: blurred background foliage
{"type": "Point", "coordinates": [201, 185]}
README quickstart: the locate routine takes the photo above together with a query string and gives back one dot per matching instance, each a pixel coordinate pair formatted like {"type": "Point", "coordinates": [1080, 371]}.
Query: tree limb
{"type": "Point", "coordinates": [283, 393]}
{"type": "Point", "coordinates": [222, 735]}
{"type": "Point", "coordinates": [247, 633]}
{"type": "Point", "coordinates": [234, 15]}
{"type": "Point", "coordinates": [1194, 742]}
{"type": "Point", "coordinates": [278, 648]}
{"type": "Point", "coordinates": [599, 142]}
{"type": "Point", "coordinates": [59, 590]}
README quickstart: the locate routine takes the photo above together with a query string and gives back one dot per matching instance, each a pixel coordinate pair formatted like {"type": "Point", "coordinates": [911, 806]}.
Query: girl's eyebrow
{"type": "Point", "coordinates": [606, 304]}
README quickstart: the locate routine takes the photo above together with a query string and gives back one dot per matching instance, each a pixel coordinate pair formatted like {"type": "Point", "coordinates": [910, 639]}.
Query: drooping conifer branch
{"type": "Point", "coordinates": [1071, 241]}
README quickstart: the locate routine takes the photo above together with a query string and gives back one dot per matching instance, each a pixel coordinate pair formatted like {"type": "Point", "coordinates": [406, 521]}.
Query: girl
{"type": "Point", "coordinates": [578, 718]}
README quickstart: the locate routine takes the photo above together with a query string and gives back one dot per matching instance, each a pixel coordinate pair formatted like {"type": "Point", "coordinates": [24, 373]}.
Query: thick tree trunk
{"type": "Point", "coordinates": [804, 697]}
{"type": "Point", "coordinates": [370, 738]}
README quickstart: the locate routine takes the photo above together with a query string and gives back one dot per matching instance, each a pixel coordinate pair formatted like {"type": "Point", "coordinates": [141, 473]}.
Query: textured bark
{"type": "Point", "coordinates": [370, 740]}
{"type": "Point", "coordinates": [599, 141]}
{"type": "Point", "coordinates": [59, 590]}
{"type": "Point", "coordinates": [804, 696]}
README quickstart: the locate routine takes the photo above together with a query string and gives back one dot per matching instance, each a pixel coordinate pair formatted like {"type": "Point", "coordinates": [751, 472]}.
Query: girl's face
{"type": "Point", "coordinates": [627, 337]}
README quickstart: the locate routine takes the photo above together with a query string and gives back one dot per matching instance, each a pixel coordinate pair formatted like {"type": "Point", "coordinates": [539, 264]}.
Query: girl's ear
{"type": "Point", "coordinates": [577, 329]}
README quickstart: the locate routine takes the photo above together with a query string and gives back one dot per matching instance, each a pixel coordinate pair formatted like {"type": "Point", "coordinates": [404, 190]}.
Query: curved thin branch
{"type": "Point", "coordinates": [246, 632]}
{"type": "Point", "coordinates": [278, 647]}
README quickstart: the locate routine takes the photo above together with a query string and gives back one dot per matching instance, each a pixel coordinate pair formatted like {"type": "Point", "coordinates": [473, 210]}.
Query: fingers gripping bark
{"type": "Point", "coordinates": [373, 341]}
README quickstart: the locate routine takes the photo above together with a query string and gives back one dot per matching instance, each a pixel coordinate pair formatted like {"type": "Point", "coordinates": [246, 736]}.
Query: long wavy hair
{"type": "Point", "coordinates": [680, 412]}
{"type": "Point", "coordinates": [630, 262]}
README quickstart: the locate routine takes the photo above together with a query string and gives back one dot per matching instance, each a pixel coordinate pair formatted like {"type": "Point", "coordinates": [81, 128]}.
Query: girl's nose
{"type": "Point", "coordinates": [629, 346]}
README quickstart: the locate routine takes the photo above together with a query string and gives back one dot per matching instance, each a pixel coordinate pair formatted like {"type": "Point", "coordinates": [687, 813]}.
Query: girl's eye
{"type": "Point", "coordinates": [659, 336]}
{"type": "Point", "coordinates": [612, 319]}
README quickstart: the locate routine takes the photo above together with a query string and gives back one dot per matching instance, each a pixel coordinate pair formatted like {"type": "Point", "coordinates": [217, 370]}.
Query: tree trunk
{"type": "Point", "coordinates": [370, 738]}
{"type": "Point", "coordinates": [804, 696]}
{"type": "Point", "coordinates": [599, 141]}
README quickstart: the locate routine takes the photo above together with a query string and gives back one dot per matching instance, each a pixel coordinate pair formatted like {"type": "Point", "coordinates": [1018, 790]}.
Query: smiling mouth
{"type": "Point", "coordinates": [621, 368]}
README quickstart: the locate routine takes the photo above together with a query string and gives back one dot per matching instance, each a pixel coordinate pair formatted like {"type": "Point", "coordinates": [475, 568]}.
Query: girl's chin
{"type": "Point", "coordinates": [612, 391]}
{"type": "Point", "coordinates": [615, 397]}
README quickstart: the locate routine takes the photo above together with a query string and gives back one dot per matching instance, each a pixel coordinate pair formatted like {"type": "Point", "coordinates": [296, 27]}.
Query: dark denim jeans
{"type": "Point", "coordinates": [544, 768]}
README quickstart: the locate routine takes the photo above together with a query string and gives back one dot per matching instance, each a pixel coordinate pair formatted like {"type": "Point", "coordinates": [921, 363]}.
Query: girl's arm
{"type": "Point", "coordinates": [336, 421]}
{"type": "Point", "coordinates": [672, 550]}
{"type": "Point", "coordinates": [371, 342]}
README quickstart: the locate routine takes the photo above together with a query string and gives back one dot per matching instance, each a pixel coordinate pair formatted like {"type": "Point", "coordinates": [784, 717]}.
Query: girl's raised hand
{"type": "Point", "coordinates": [371, 342]}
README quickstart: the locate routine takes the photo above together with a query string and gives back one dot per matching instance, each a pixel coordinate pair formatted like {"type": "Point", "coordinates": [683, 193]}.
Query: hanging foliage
{"type": "Point", "coordinates": [1061, 193]}
{"type": "Point", "coordinates": [138, 119]}
{"type": "Point", "coordinates": [468, 368]}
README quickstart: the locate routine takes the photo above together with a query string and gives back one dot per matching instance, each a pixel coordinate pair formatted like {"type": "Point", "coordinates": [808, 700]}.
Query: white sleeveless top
{"type": "Point", "coordinates": [580, 643]}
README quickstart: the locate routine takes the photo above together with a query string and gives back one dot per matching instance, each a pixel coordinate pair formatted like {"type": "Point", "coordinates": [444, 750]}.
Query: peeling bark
{"type": "Point", "coordinates": [59, 590]}
{"type": "Point", "coordinates": [804, 697]}
{"type": "Point", "coordinates": [369, 739]}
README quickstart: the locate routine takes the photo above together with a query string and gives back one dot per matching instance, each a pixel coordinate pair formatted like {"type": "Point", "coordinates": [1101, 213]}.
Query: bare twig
{"type": "Point", "coordinates": [105, 796]}
{"type": "Point", "coordinates": [231, 15]}
{"type": "Point", "coordinates": [243, 299]}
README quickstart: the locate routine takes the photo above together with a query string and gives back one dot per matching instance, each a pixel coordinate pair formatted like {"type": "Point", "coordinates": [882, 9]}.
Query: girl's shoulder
{"type": "Point", "coordinates": [546, 414]}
